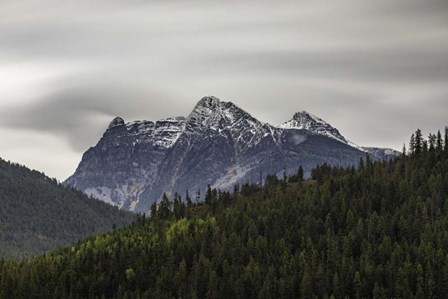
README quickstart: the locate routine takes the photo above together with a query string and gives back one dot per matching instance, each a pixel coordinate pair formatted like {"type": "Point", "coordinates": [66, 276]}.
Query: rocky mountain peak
{"type": "Point", "coordinates": [305, 117]}
{"type": "Point", "coordinates": [212, 113]}
{"type": "Point", "coordinates": [219, 144]}
{"type": "Point", "coordinates": [214, 105]}
{"type": "Point", "coordinates": [209, 102]}
{"type": "Point", "coordinates": [117, 121]}
{"type": "Point", "coordinates": [304, 120]}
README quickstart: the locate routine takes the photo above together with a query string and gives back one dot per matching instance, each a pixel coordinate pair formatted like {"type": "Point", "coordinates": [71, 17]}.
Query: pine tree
{"type": "Point", "coordinates": [418, 142]}
{"type": "Point", "coordinates": [285, 178]}
{"type": "Point", "coordinates": [361, 163]}
{"type": "Point", "coordinates": [164, 208]}
{"type": "Point", "coordinates": [188, 199]}
{"type": "Point", "coordinates": [153, 210]}
{"type": "Point", "coordinates": [300, 174]}
{"type": "Point", "coordinates": [432, 139]}
{"type": "Point", "coordinates": [208, 196]}
{"type": "Point", "coordinates": [212, 292]}
{"type": "Point", "coordinates": [439, 142]}
{"type": "Point", "coordinates": [446, 139]}
{"type": "Point", "coordinates": [357, 285]}
{"type": "Point", "coordinates": [412, 144]}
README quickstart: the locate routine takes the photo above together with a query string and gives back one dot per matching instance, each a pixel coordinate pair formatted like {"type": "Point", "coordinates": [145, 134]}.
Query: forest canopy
{"type": "Point", "coordinates": [376, 231]}
{"type": "Point", "coordinates": [38, 213]}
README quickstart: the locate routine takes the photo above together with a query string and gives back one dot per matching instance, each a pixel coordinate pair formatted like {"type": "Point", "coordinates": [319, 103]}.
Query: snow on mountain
{"type": "Point", "coordinates": [307, 121]}
{"type": "Point", "coordinates": [380, 153]}
{"type": "Point", "coordinates": [218, 143]}
{"type": "Point", "coordinates": [163, 133]}
{"type": "Point", "coordinates": [225, 117]}
{"type": "Point", "coordinates": [117, 121]}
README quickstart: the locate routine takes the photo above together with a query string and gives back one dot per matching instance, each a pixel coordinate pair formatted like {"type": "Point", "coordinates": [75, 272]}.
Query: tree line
{"type": "Point", "coordinates": [375, 231]}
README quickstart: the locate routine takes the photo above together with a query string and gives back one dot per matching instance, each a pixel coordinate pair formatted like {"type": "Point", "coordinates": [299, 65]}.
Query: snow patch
{"type": "Point", "coordinates": [233, 175]}
{"type": "Point", "coordinates": [297, 139]}
{"type": "Point", "coordinates": [101, 193]}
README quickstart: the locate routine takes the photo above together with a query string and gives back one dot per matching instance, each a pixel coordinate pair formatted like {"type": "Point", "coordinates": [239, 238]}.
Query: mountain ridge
{"type": "Point", "coordinates": [217, 144]}
{"type": "Point", "coordinates": [37, 213]}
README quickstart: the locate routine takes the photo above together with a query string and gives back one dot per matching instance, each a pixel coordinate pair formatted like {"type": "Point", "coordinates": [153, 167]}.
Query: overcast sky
{"type": "Point", "coordinates": [376, 70]}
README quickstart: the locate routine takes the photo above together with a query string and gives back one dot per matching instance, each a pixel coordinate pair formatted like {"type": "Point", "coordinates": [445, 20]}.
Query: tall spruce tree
{"type": "Point", "coordinates": [418, 147]}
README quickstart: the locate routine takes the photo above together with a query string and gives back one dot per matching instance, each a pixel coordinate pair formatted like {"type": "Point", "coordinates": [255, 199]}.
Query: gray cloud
{"type": "Point", "coordinates": [376, 70]}
{"type": "Point", "coordinates": [80, 111]}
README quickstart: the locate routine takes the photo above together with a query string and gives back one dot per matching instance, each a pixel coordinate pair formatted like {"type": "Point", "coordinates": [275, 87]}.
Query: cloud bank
{"type": "Point", "coordinates": [376, 71]}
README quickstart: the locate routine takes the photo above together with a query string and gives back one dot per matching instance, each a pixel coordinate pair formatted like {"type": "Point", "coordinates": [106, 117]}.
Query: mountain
{"type": "Point", "coordinates": [218, 144]}
{"type": "Point", "coordinates": [313, 124]}
{"type": "Point", "coordinates": [38, 213]}
{"type": "Point", "coordinates": [375, 232]}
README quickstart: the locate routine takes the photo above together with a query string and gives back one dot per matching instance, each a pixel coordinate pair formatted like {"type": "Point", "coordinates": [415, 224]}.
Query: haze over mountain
{"type": "Point", "coordinates": [218, 144]}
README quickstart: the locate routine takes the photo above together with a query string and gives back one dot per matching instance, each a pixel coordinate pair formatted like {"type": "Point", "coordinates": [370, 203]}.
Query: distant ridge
{"type": "Point", "coordinates": [38, 213]}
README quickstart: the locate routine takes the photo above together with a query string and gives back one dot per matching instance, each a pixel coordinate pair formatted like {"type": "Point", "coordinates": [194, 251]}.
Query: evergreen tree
{"type": "Point", "coordinates": [164, 208]}
{"type": "Point", "coordinates": [300, 174]}
{"type": "Point", "coordinates": [439, 142]}
{"type": "Point", "coordinates": [188, 199]}
{"type": "Point", "coordinates": [446, 139]}
{"type": "Point", "coordinates": [412, 144]}
{"type": "Point", "coordinates": [418, 147]}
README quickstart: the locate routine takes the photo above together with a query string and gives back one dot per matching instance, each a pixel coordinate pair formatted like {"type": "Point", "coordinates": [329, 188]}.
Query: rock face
{"type": "Point", "coordinates": [217, 144]}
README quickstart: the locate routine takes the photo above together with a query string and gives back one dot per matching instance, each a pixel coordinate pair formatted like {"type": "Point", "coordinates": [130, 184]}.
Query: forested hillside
{"type": "Point", "coordinates": [37, 213]}
{"type": "Point", "coordinates": [376, 232]}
